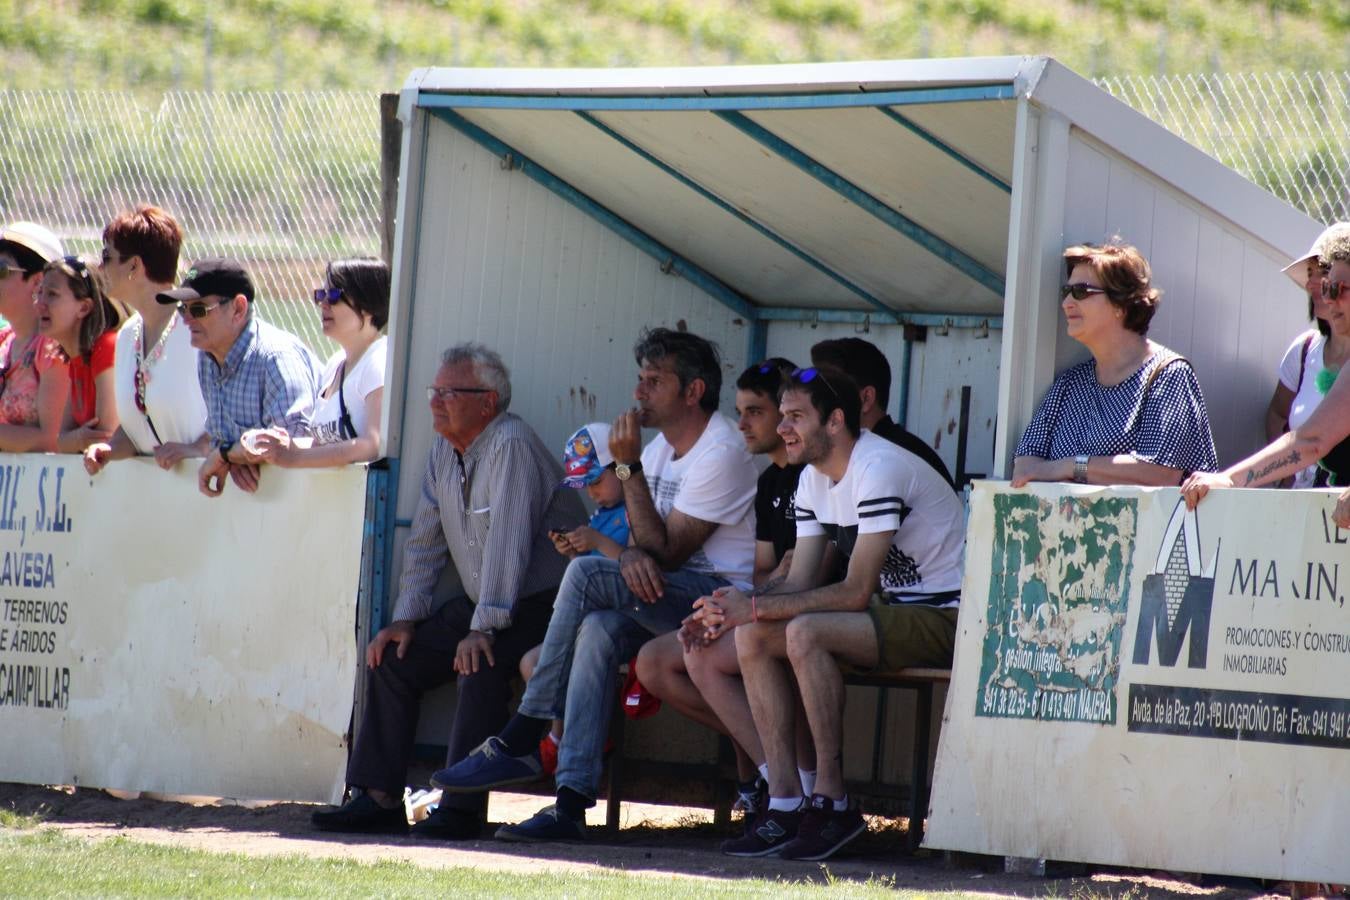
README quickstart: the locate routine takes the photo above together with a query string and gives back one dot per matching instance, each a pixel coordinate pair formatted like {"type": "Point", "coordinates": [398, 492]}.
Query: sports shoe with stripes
{"type": "Point", "coordinates": [767, 834]}
{"type": "Point", "coordinates": [823, 831]}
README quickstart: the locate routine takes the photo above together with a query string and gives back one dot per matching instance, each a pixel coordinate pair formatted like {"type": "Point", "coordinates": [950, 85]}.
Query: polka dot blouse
{"type": "Point", "coordinates": [1155, 418]}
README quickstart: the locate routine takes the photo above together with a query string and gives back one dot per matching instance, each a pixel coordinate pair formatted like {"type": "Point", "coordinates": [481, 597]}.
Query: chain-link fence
{"type": "Point", "coordinates": [289, 181]}
{"type": "Point", "coordinates": [1289, 133]}
{"type": "Point", "coordinates": [283, 181]}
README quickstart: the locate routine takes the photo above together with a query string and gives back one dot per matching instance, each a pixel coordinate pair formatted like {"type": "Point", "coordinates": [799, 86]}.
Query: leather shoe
{"type": "Point", "coordinates": [446, 824]}
{"type": "Point", "coordinates": [362, 815]}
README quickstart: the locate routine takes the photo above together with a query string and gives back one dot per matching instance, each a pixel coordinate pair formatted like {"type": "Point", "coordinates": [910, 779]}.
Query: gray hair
{"type": "Point", "coordinates": [1333, 245]}
{"type": "Point", "coordinates": [487, 366]}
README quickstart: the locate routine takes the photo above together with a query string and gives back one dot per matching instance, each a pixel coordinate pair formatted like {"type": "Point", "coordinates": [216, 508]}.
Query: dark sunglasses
{"type": "Point", "coordinates": [808, 375]}
{"type": "Point", "coordinates": [6, 269]}
{"type": "Point", "coordinates": [1080, 291]}
{"type": "Point", "coordinates": [197, 310]}
{"type": "Point", "coordinates": [1332, 290]}
{"type": "Point", "coordinates": [327, 295]}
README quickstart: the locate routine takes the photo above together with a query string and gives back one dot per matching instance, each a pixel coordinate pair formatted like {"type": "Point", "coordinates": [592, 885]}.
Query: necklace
{"type": "Point", "coordinates": [141, 379]}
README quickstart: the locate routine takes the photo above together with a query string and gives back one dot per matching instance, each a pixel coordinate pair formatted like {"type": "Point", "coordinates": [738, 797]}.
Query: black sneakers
{"type": "Point", "coordinates": [823, 830]}
{"type": "Point", "coordinates": [767, 834]}
{"type": "Point", "coordinates": [362, 815]}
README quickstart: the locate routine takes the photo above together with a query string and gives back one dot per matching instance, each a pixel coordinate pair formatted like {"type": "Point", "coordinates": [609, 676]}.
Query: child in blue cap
{"type": "Point", "coordinates": [587, 464]}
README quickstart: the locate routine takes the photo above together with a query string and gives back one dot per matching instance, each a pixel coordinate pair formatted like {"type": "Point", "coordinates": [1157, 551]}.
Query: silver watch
{"type": "Point", "coordinates": [1080, 464]}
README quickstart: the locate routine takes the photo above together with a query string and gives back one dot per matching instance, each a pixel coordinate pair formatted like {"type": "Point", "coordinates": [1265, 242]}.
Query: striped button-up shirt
{"type": "Point", "coordinates": [269, 378]}
{"type": "Point", "coordinates": [489, 512]}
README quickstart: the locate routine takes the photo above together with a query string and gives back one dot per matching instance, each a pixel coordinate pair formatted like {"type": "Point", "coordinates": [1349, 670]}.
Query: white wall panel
{"type": "Point", "coordinates": [503, 260]}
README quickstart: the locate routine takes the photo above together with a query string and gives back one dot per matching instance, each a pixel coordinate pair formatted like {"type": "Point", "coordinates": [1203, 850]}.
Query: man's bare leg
{"type": "Point", "coordinates": [816, 643]}
{"type": "Point", "coordinates": [661, 669]}
{"type": "Point", "coordinates": [762, 653]}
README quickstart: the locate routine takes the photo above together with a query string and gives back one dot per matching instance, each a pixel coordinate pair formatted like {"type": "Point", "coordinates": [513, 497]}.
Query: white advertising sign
{"type": "Point", "coordinates": [1136, 685]}
{"type": "Point", "coordinates": [154, 639]}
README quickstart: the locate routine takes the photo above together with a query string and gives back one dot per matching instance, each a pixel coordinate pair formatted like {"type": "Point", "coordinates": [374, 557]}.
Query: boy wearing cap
{"type": "Point", "coordinates": [587, 464]}
{"type": "Point", "coordinates": [252, 374]}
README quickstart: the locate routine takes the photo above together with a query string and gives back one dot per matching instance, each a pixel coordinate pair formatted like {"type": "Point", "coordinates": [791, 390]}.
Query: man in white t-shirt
{"type": "Point", "coordinates": [900, 527]}
{"type": "Point", "coordinates": [689, 497]}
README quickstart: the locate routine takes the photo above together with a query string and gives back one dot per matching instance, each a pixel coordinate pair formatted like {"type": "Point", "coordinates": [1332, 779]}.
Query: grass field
{"type": "Point", "coordinates": [45, 863]}
{"type": "Point", "coordinates": [373, 44]}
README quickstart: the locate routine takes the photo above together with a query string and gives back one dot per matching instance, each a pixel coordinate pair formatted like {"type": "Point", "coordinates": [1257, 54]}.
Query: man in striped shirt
{"type": "Point", "coordinates": [900, 527]}
{"type": "Point", "coordinates": [488, 503]}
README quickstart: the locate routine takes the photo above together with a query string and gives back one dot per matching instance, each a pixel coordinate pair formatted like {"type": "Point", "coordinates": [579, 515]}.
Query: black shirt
{"type": "Point", "coordinates": [774, 520]}
{"type": "Point", "coordinates": [896, 434]}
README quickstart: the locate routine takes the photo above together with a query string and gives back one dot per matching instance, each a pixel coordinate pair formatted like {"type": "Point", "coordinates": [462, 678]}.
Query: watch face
{"type": "Point", "coordinates": [623, 470]}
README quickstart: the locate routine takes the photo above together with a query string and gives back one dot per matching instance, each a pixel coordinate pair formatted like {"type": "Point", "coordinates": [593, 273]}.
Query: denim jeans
{"type": "Point", "coordinates": [597, 626]}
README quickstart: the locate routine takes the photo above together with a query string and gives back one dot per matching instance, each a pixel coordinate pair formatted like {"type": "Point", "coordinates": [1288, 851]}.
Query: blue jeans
{"type": "Point", "coordinates": [597, 626]}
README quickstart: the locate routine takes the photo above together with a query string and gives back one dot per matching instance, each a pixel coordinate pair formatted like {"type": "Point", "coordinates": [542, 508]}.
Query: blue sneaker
{"type": "Point", "coordinates": [487, 768]}
{"type": "Point", "coordinates": [548, 825]}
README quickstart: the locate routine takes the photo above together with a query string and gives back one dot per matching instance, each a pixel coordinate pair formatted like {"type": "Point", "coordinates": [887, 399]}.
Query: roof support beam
{"type": "Point", "coordinates": [958, 259]}
{"type": "Point", "coordinates": [946, 148]}
{"type": "Point", "coordinates": [857, 317]}
{"type": "Point", "coordinates": [671, 263]}
{"type": "Point", "coordinates": [600, 103]}
{"type": "Point", "coordinates": [728, 208]}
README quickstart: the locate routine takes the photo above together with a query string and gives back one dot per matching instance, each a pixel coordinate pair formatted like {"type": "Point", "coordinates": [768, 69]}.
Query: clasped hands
{"type": "Point", "coordinates": [715, 615]}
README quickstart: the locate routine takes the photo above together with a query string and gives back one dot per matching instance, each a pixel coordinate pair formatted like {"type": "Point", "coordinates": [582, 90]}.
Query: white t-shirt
{"type": "Point", "coordinates": [887, 488]}
{"type": "Point", "coordinates": [715, 482]}
{"type": "Point", "coordinates": [1307, 396]}
{"type": "Point", "coordinates": [173, 396]}
{"type": "Point", "coordinates": [366, 376]}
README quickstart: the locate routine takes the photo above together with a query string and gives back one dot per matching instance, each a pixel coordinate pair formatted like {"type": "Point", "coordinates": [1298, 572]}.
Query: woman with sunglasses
{"type": "Point", "coordinates": [74, 311]}
{"type": "Point", "coordinates": [1133, 413]}
{"type": "Point", "coordinates": [1314, 357]}
{"type": "Point", "coordinates": [1325, 437]}
{"type": "Point", "coordinates": [34, 380]}
{"type": "Point", "coordinates": [159, 400]}
{"type": "Point", "coordinates": [353, 305]}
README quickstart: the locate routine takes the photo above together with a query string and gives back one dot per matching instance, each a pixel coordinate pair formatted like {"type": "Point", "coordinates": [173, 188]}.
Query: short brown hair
{"type": "Point", "coordinates": [152, 234]}
{"type": "Point", "coordinates": [1125, 276]}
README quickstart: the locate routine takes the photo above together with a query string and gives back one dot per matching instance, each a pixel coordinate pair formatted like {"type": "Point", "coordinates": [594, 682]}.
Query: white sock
{"type": "Point", "coordinates": [808, 781]}
{"type": "Point", "coordinates": [553, 738]}
{"type": "Point", "coordinates": [785, 804]}
{"type": "Point", "coordinates": [764, 772]}
{"type": "Point", "coordinates": [841, 805]}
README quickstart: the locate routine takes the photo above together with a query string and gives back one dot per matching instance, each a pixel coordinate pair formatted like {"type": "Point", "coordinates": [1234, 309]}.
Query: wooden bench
{"type": "Point", "coordinates": [920, 680]}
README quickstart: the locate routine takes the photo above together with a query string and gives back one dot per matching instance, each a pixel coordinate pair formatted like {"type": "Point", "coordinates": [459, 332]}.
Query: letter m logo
{"type": "Point", "coordinates": [1178, 596]}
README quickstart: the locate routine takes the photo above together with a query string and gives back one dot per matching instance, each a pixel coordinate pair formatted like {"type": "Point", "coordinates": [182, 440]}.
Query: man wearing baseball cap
{"type": "Point", "coordinates": [252, 374]}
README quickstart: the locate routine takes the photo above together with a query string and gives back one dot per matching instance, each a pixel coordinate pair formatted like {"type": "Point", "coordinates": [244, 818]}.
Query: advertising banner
{"type": "Point", "coordinates": [152, 638]}
{"type": "Point", "coordinates": [1139, 685]}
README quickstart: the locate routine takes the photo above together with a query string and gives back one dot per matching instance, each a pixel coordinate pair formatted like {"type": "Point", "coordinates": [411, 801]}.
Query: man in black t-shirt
{"type": "Point", "coordinates": [673, 666]}
{"type": "Point", "coordinates": [863, 362]}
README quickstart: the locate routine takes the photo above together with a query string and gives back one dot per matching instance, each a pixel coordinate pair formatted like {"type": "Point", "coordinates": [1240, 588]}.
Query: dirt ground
{"type": "Point", "coordinates": [652, 838]}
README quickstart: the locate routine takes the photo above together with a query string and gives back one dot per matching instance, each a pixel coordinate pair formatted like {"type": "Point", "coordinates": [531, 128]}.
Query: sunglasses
{"type": "Point", "coordinates": [197, 310]}
{"type": "Point", "coordinates": [808, 375]}
{"type": "Point", "coordinates": [327, 295]}
{"type": "Point", "coordinates": [1080, 291]}
{"type": "Point", "coordinates": [7, 269]}
{"type": "Point", "coordinates": [1332, 290]}
{"type": "Point", "coordinates": [435, 393]}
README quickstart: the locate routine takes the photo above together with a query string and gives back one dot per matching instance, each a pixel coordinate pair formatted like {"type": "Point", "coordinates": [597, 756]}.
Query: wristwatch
{"type": "Point", "coordinates": [1080, 463]}
{"type": "Point", "coordinates": [225, 451]}
{"type": "Point", "coordinates": [626, 471]}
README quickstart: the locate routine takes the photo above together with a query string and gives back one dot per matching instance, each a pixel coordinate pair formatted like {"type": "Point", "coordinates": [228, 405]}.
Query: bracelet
{"type": "Point", "coordinates": [754, 610]}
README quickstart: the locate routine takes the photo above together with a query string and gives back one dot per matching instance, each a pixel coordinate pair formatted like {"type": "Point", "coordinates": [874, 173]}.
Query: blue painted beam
{"type": "Point", "coordinates": [670, 261]}
{"type": "Point", "coordinates": [948, 149]}
{"type": "Point", "coordinates": [862, 317]}
{"type": "Point", "coordinates": [757, 346]}
{"type": "Point", "coordinates": [597, 103]}
{"type": "Point", "coordinates": [728, 208]}
{"type": "Point", "coordinates": [958, 259]}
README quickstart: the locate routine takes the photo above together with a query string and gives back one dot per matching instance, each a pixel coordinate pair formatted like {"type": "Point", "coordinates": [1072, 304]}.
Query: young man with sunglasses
{"type": "Point", "coordinates": [688, 495]}
{"type": "Point", "coordinates": [488, 503]}
{"type": "Point", "coordinates": [252, 374]}
{"type": "Point", "coordinates": [900, 528]}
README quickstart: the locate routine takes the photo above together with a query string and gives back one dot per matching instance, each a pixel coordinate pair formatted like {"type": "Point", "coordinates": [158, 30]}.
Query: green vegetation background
{"type": "Point", "coordinates": [372, 44]}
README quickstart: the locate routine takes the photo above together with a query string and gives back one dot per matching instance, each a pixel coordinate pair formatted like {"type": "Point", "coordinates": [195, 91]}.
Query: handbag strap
{"type": "Point", "coordinates": [346, 430]}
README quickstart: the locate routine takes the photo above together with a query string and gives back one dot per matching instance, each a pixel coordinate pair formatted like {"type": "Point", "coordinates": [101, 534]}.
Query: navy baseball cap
{"type": "Point", "coordinates": [218, 276]}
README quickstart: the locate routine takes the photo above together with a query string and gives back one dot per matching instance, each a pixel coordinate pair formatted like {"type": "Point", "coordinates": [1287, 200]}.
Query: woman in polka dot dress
{"type": "Point", "coordinates": [1133, 413]}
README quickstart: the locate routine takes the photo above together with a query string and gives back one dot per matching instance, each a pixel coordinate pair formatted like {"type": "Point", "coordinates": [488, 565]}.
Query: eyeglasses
{"type": "Point", "coordinates": [806, 376]}
{"type": "Point", "coordinates": [327, 295]}
{"type": "Point", "coordinates": [7, 269]}
{"type": "Point", "coordinates": [108, 258]}
{"type": "Point", "coordinates": [443, 394]}
{"type": "Point", "coordinates": [1080, 291]}
{"type": "Point", "coordinates": [198, 310]}
{"type": "Point", "coordinates": [1332, 290]}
